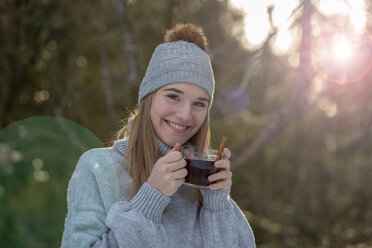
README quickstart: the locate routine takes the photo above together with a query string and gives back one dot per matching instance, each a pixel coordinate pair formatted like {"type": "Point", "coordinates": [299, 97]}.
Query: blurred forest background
{"type": "Point", "coordinates": [299, 122]}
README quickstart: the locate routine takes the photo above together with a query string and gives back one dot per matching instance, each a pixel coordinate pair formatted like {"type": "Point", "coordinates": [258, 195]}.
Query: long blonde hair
{"type": "Point", "coordinates": [142, 150]}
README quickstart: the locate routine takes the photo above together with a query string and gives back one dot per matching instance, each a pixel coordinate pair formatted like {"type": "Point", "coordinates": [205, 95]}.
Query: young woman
{"type": "Point", "coordinates": [132, 194]}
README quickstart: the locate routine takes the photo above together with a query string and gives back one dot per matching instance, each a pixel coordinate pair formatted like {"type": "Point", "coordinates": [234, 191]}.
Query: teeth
{"type": "Point", "coordinates": [177, 126]}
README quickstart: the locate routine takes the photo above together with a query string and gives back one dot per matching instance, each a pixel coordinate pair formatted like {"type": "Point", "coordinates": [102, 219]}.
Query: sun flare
{"type": "Point", "coordinates": [342, 48]}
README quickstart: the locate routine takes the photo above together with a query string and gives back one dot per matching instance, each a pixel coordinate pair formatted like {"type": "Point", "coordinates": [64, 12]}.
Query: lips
{"type": "Point", "coordinates": [176, 126]}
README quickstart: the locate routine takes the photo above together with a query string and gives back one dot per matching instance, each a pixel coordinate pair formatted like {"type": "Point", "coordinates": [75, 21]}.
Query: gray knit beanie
{"type": "Point", "coordinates": [178, 62]}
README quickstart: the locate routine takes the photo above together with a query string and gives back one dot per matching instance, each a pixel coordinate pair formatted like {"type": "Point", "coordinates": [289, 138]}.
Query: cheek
{"type": "Point", "coordinates": [154, 115]}
{"type": "Point", "coordinates": [200, 117]}
{"type": "Point", "coordinates": [156, 108]}
{"type": "Point", "coordinates": [152, 118]}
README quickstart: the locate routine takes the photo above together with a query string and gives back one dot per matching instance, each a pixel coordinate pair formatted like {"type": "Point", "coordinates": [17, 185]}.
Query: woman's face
{"type": "Point", "coordinates": [178, 111]}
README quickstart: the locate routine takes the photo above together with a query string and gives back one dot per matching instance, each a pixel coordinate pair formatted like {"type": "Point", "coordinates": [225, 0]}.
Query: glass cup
{"type": "Point", "coordinates": [199, 165]}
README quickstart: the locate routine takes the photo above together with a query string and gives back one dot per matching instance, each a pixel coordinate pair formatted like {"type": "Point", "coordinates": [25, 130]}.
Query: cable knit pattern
{"type": "Point", "coordinates": [216, 200]}
{"type": "Point", "coordinates": [99, 214]}
{"type": "Point", "coordinates": [150, 202]}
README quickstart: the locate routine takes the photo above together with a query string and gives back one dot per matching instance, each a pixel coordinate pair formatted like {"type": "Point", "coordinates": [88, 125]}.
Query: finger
{"type": "Point", "coordinates": [174, 166]}
{"type": "Point", "coordinates": [179, 182]}
{"type": "Point", "coordinates": [226, 154]}
{"type": "Point", "coordinates": [222, 164]}
{"type": "Point", "coordinates": [171, 157]}
{"type": "Point", "coordinates": [177, 147]}
{"type": "Point", "coordinates": [179, 174]}
{"type": "Point", "coordinates": [222, 175]}
{"type": "Point", "coordinates": [221, 185]}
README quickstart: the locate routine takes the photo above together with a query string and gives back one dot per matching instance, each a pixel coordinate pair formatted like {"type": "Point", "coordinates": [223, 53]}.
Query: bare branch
{"type": "Point", "coordinates": [252, 65]}
{"type": "Point", "coordinates": [297, 107]}
{"type": "Point", "coordinates": [252, 146]}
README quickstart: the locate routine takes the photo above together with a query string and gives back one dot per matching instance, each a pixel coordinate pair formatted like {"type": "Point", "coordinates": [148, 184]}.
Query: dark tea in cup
{"type": "Point", "coordinates": [199, 165]}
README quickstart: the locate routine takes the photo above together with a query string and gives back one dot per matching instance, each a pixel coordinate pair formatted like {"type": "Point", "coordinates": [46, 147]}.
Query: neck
{"type": "Point", "coordinates": [162, 147]}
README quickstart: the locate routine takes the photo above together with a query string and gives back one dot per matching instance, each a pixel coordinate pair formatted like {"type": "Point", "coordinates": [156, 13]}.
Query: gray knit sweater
{"type": "Point", "coordinates": [99, 214]}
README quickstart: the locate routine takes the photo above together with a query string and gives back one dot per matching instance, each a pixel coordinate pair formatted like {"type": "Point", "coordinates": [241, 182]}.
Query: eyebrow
{"type": "Point", "coordinates": [181, 92]}
{"type": "Point", "coordinates": [175, 90]}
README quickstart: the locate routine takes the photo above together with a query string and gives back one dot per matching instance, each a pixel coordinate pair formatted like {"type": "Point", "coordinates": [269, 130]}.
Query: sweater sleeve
{"type": "Point", "coordinates": [126, 224]}
{"type": "Point", "coordinates": [222, 222]}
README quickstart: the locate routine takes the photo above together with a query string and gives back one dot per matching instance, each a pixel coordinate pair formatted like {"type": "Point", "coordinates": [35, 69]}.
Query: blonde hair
{"type": "Point", "coordinates": [142, 150]}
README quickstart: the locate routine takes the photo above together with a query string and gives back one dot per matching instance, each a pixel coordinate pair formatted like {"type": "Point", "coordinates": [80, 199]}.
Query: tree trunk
{"type": "Point", "coordinates": [5, 45]}
{"type": "Point", "coordinates": [129, 48]}
{"type": "Point", "coordinates": [109, 103]}
{"type": "Point", "coordinates": [299, 101]}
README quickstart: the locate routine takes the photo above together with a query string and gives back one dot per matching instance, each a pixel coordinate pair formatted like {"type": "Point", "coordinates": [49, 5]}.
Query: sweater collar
{"type": "Point", "coordinates": [121, 146]}
{"type": "Point", "coordinates": [162, 147]}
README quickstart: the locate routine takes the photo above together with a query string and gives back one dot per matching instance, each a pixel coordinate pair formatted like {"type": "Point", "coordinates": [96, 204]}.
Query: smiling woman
{"type": "Point", "coordinates": [178, 111]}
{"type": "Point", "coordinates": [136, 196]}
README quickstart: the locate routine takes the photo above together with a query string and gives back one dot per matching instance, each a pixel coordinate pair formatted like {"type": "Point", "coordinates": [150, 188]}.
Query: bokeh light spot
{"type": "Point", "coordinates": [37, 163]}
{"type": "Point", "coordinates": [328, 107]}
{"type": "Point", "coordinates": [46, 54]}
{"type": "Point", "coordinates": [81, 61]}
{"type": "Point", "coordinates": [52, 45]}
{"type": "Point", "coordinates": [41, 176]}
{"type": "Point", "coordinates": [294, 60]}
{"type": "Point", "coordinates": [41, 96]}
{"type": "Point", "coordinates": [22, 131]}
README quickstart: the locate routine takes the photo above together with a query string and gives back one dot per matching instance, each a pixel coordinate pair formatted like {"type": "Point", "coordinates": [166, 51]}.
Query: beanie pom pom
{"type": "Point", "coordinates": [187, 32]}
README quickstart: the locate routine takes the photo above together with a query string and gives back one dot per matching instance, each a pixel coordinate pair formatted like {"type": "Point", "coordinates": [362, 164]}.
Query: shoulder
{"type": "Point", "coordinates": [106, 158]}
{"type": "Point", "coordinates": [95, 180]}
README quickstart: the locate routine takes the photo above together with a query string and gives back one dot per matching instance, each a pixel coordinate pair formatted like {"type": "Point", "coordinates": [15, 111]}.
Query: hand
{"type": "Point", "coordinates": [169, 172]}
{"type": "Point", "coordinates": [222, 179]}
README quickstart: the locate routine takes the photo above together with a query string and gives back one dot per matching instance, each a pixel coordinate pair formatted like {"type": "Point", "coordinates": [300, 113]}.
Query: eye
{"type": "Point", "coordinates": [173, 97]}
{"type": "Point", "coordinates": [200, 104]}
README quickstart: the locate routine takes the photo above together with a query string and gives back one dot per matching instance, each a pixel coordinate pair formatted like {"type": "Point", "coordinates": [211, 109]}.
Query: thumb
{"type": "Point", "coordinates": [177, 147]}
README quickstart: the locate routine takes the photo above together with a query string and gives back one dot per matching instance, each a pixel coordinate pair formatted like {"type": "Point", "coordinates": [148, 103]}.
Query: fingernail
{"type": "Point", "coordinates": [211, 178]}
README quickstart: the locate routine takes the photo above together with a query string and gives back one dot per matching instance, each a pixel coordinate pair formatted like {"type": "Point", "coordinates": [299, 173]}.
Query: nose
{"type": "Point", "coordinates": [184, 112]}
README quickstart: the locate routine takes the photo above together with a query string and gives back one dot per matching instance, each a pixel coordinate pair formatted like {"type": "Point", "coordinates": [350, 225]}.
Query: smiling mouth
{"type": "Point", "coordinates": [177, 126]}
